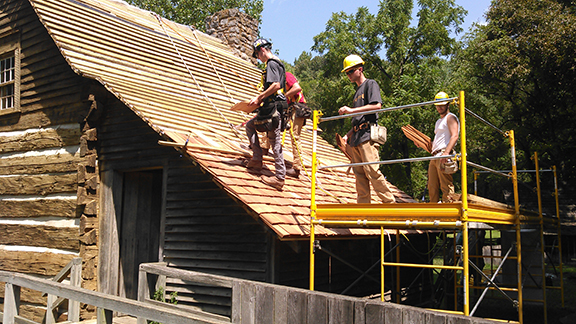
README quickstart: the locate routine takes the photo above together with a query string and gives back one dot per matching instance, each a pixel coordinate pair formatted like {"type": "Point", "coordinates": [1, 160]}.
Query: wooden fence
{"type": "Point", "coordinates": [256, 302]}
{"type": "Point", "coordinates": [251, 302]}
{"type": "Point", "coordinates": [106, 304]}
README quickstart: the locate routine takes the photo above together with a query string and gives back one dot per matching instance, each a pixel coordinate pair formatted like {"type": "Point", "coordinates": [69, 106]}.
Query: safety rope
{"type": "Point", "coordinates": [235, 131]}
{"type": "Point", "coordinates": [216, 59]}
{"type": "Point", "coordinates": [306, 171]}
{"type": "Point", "coordinates": [212, 65]}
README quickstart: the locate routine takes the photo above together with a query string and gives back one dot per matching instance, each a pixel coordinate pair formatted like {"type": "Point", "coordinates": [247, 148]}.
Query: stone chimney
{"type": "Point", "coordinates": [236, 29]}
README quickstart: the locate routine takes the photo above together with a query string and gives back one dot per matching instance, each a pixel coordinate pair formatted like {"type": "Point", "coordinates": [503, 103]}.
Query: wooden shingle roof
{"type": "Point", "coordinates": [182, 83]}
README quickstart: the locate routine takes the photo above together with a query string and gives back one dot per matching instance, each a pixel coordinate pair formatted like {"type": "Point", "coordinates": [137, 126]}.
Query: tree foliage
{"type": "Point", "coordinates": [523, 63]}
{"type": "Point", "coordinates": [406, 58]}
{"type": "Point", "coordinates": [195, 12]}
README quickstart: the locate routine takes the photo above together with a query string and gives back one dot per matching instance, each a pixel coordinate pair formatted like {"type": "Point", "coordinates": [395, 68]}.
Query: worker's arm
{"type": "Point", "coordinates": [369, 107]}
{"type": "Point", "coordinates": [265, 94]}
{"type": "Point", "coordinates": [345, 138]}
{"type": "Point", "coordinates": [453, 128]}
{"type": "Point", "coordinates": [293, 91]}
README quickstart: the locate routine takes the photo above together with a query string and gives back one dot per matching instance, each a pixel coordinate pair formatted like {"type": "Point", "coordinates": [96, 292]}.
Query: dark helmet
{"type": "Point", "coordinates": [260, 42]}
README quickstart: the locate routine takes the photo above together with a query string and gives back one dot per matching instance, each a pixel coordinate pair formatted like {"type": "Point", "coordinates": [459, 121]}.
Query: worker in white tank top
{"type": "Point", "coordinates": [446, 135]}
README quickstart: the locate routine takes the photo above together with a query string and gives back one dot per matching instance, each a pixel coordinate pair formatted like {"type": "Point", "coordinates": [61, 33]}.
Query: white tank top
{"type": "Point", "coordinates": [442, 133]}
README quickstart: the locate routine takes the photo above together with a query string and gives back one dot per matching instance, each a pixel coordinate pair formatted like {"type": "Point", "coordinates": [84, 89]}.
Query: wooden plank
{"type": "Point", "coordinates": [340, 310]}
{"type": "Point", "coordinates": [193, 276]}
{"type": "Point", "coordinates": [413, 315]}
{"type": "Point", "coordinates": [248, 301]}
{"type": "Point", "coordinates": [40, 235]}
{"type": "Point", "coordinates": [436, 318]}
{"type": "Point", "coordinates": [236, 312]}
{"type": "Point", "coordinates": [38, 184]}
{"type": "Point", "coordinates": [11, 303]}
{"type": "Point", "coordinates": [221, 246]}
{"type": "Point", "coordinates": [317, 310]}
{"type": "Point", "coordinates": [280, 304]}
{"type": "Point", "coordinates": [419, 139]}
{"type": "Point", "coordinates": [37, 140]}
{"type": "Point", "coordinates": [392, 313]}
{"type": "Point", "coordinates": [57, 163]}
{"type": "Point", "coordinates": [296, 302]}
{"type": "Point", "coordinates": [264, 305]}
{"type": "Point", "coordinates": [360, 311]}
{"type": "Point", "coordinates": [108, 259]}
{"type": "Point", "coordinates": [28, 296]}
{"type": "Point", "coordinates": [375, 313]}
{"type": "Point", "coordinates": [42, 263]}
{"type": "Point", "coordinates": [47, 112]}
{"type": "Point", "coordinates": [38, 208]}
{"type": "Point", "coordinates": [91, 23]}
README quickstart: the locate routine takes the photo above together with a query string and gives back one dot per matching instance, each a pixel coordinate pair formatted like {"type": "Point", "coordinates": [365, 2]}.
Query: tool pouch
{"type": "Point", "coordinates": [268, 118]}
{"type": "Point", "coordinates": [301, 110]}
{"type": "Point", "coordinates": [450, 167]}
{"type": "Point", "coordinates": [282, 108]}
{"type": "Point", "coordinates": [378, 133]}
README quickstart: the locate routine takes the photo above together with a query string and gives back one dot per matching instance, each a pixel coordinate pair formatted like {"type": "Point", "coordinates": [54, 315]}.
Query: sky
{"type": "Point", "coordinates": [292, 24]}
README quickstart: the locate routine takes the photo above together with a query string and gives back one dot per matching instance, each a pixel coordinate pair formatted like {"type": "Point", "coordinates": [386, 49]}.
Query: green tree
{"type": "Point", "coordinates": [523, 64]}
{"type": "Point", "coordinates": [195, 12]}
{"type": "Point", "coordinates": [408, 60]}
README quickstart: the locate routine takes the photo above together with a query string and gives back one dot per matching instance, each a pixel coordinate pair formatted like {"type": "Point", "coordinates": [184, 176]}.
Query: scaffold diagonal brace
{"type": "Point", "coordinates": [491, 282]}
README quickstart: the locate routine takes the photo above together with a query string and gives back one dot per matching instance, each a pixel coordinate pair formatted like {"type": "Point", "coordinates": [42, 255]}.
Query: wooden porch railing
{"type": "Point", "coordinates": [106, 304]}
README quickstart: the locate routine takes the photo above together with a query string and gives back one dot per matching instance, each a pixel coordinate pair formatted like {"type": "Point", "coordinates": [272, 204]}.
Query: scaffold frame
{"type": "Point", "coordinates": [457, 216]}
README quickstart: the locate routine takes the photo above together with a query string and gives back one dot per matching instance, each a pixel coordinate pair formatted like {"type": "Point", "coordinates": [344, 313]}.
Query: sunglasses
{"type": "Point", "coordinates": [350, 71]}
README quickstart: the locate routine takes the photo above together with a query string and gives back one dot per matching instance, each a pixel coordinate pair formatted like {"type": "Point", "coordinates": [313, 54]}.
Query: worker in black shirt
{"type": "Point", "coordinates": [272, 105]}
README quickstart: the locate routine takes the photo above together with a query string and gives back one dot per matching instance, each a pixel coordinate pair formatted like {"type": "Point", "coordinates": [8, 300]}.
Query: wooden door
{"type": "Point", "coordinates": [139, 226]}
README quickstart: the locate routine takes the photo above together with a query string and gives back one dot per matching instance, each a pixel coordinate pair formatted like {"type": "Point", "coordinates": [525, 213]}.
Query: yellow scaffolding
{"type": "Point", "coordinates": [445, 216]}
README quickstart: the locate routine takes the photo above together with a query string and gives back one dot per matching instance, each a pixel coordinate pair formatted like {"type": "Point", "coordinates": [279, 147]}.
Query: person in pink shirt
{"type": "Point", "coordinates": [298, 112]}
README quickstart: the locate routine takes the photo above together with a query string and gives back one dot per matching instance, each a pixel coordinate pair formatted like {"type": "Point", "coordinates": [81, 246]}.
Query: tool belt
{"type": "Point", "coordinates": [300, 110]}
{"type": "Point", "coordinates": [271, 115]}
{"type": "Point", "coordinates": [361, 126]}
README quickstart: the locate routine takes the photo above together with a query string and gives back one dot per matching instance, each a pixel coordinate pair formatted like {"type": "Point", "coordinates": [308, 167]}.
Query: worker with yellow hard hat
{"type": "Point", "coordinates": [446, 132]}
{"type": "Point", "coordinates": [359, 146]}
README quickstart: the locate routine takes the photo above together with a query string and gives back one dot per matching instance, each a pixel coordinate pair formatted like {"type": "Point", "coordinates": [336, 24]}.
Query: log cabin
{"type": "Point", "coordinates": [118, 145]}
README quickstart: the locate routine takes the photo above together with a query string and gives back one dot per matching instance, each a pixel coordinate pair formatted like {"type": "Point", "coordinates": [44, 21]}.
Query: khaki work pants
{"type": "Point", "coordinates": [369, 174]}
{"type": "Point", "coordinates": [297, 124]}
{"type": "Point", "coordinates": [438, 180]}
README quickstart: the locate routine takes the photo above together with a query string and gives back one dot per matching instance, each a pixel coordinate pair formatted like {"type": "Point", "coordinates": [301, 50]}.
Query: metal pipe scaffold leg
{"type": "Point", "coordinates": [466, 272]}
{"type": "Point", "coordinates": [316, 116]}
{"type": "Point", "coordinates": [518, 228]}
{"type": "Point", "coordinates": [381, 263]}
{"type": "Point", "coordinates": [559, 226]}
{"type": "Point", "coordinates": [542, 245]}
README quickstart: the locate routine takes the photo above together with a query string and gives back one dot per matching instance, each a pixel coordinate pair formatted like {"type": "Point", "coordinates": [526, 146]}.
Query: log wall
{"type": "Point", "coordinates": [39, 155]}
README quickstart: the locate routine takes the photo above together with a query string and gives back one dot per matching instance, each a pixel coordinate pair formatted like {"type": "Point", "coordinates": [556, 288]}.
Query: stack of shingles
{"type": "Point", "coordinates": [419, 139]}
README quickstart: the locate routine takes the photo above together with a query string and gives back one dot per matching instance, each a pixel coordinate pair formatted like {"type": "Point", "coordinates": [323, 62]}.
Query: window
{"type": "Point", "coordinates": [9, 72]}
{"type": "Point", "coordinates": [7, 79]}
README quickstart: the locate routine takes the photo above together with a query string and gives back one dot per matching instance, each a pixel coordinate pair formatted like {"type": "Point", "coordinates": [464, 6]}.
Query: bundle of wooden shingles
{"type": "Point", "coordinates": [419, 139]}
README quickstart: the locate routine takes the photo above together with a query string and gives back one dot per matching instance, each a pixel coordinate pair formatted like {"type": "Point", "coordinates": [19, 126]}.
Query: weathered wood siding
{"type": "Point", "coordinates": [39, 153]}
{"type": "Point", "coordinates": [208, 231]}
{"type": "Point", "coordinates": [204, 229]}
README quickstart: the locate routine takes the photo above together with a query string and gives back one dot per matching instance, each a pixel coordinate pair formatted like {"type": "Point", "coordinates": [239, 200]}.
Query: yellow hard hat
{"type": "Point", "coordinates": [351, 61]}
{"type": "Point", "coordinates": [439, 96]}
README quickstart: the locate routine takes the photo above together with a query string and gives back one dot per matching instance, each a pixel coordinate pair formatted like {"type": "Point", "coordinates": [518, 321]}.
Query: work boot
{"type": "Point", "coordinates": [293, 173]}
{"type": "Point", "coordinates": [253, 165]}
{"type": "Point", "coordinates": [273, 181]}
